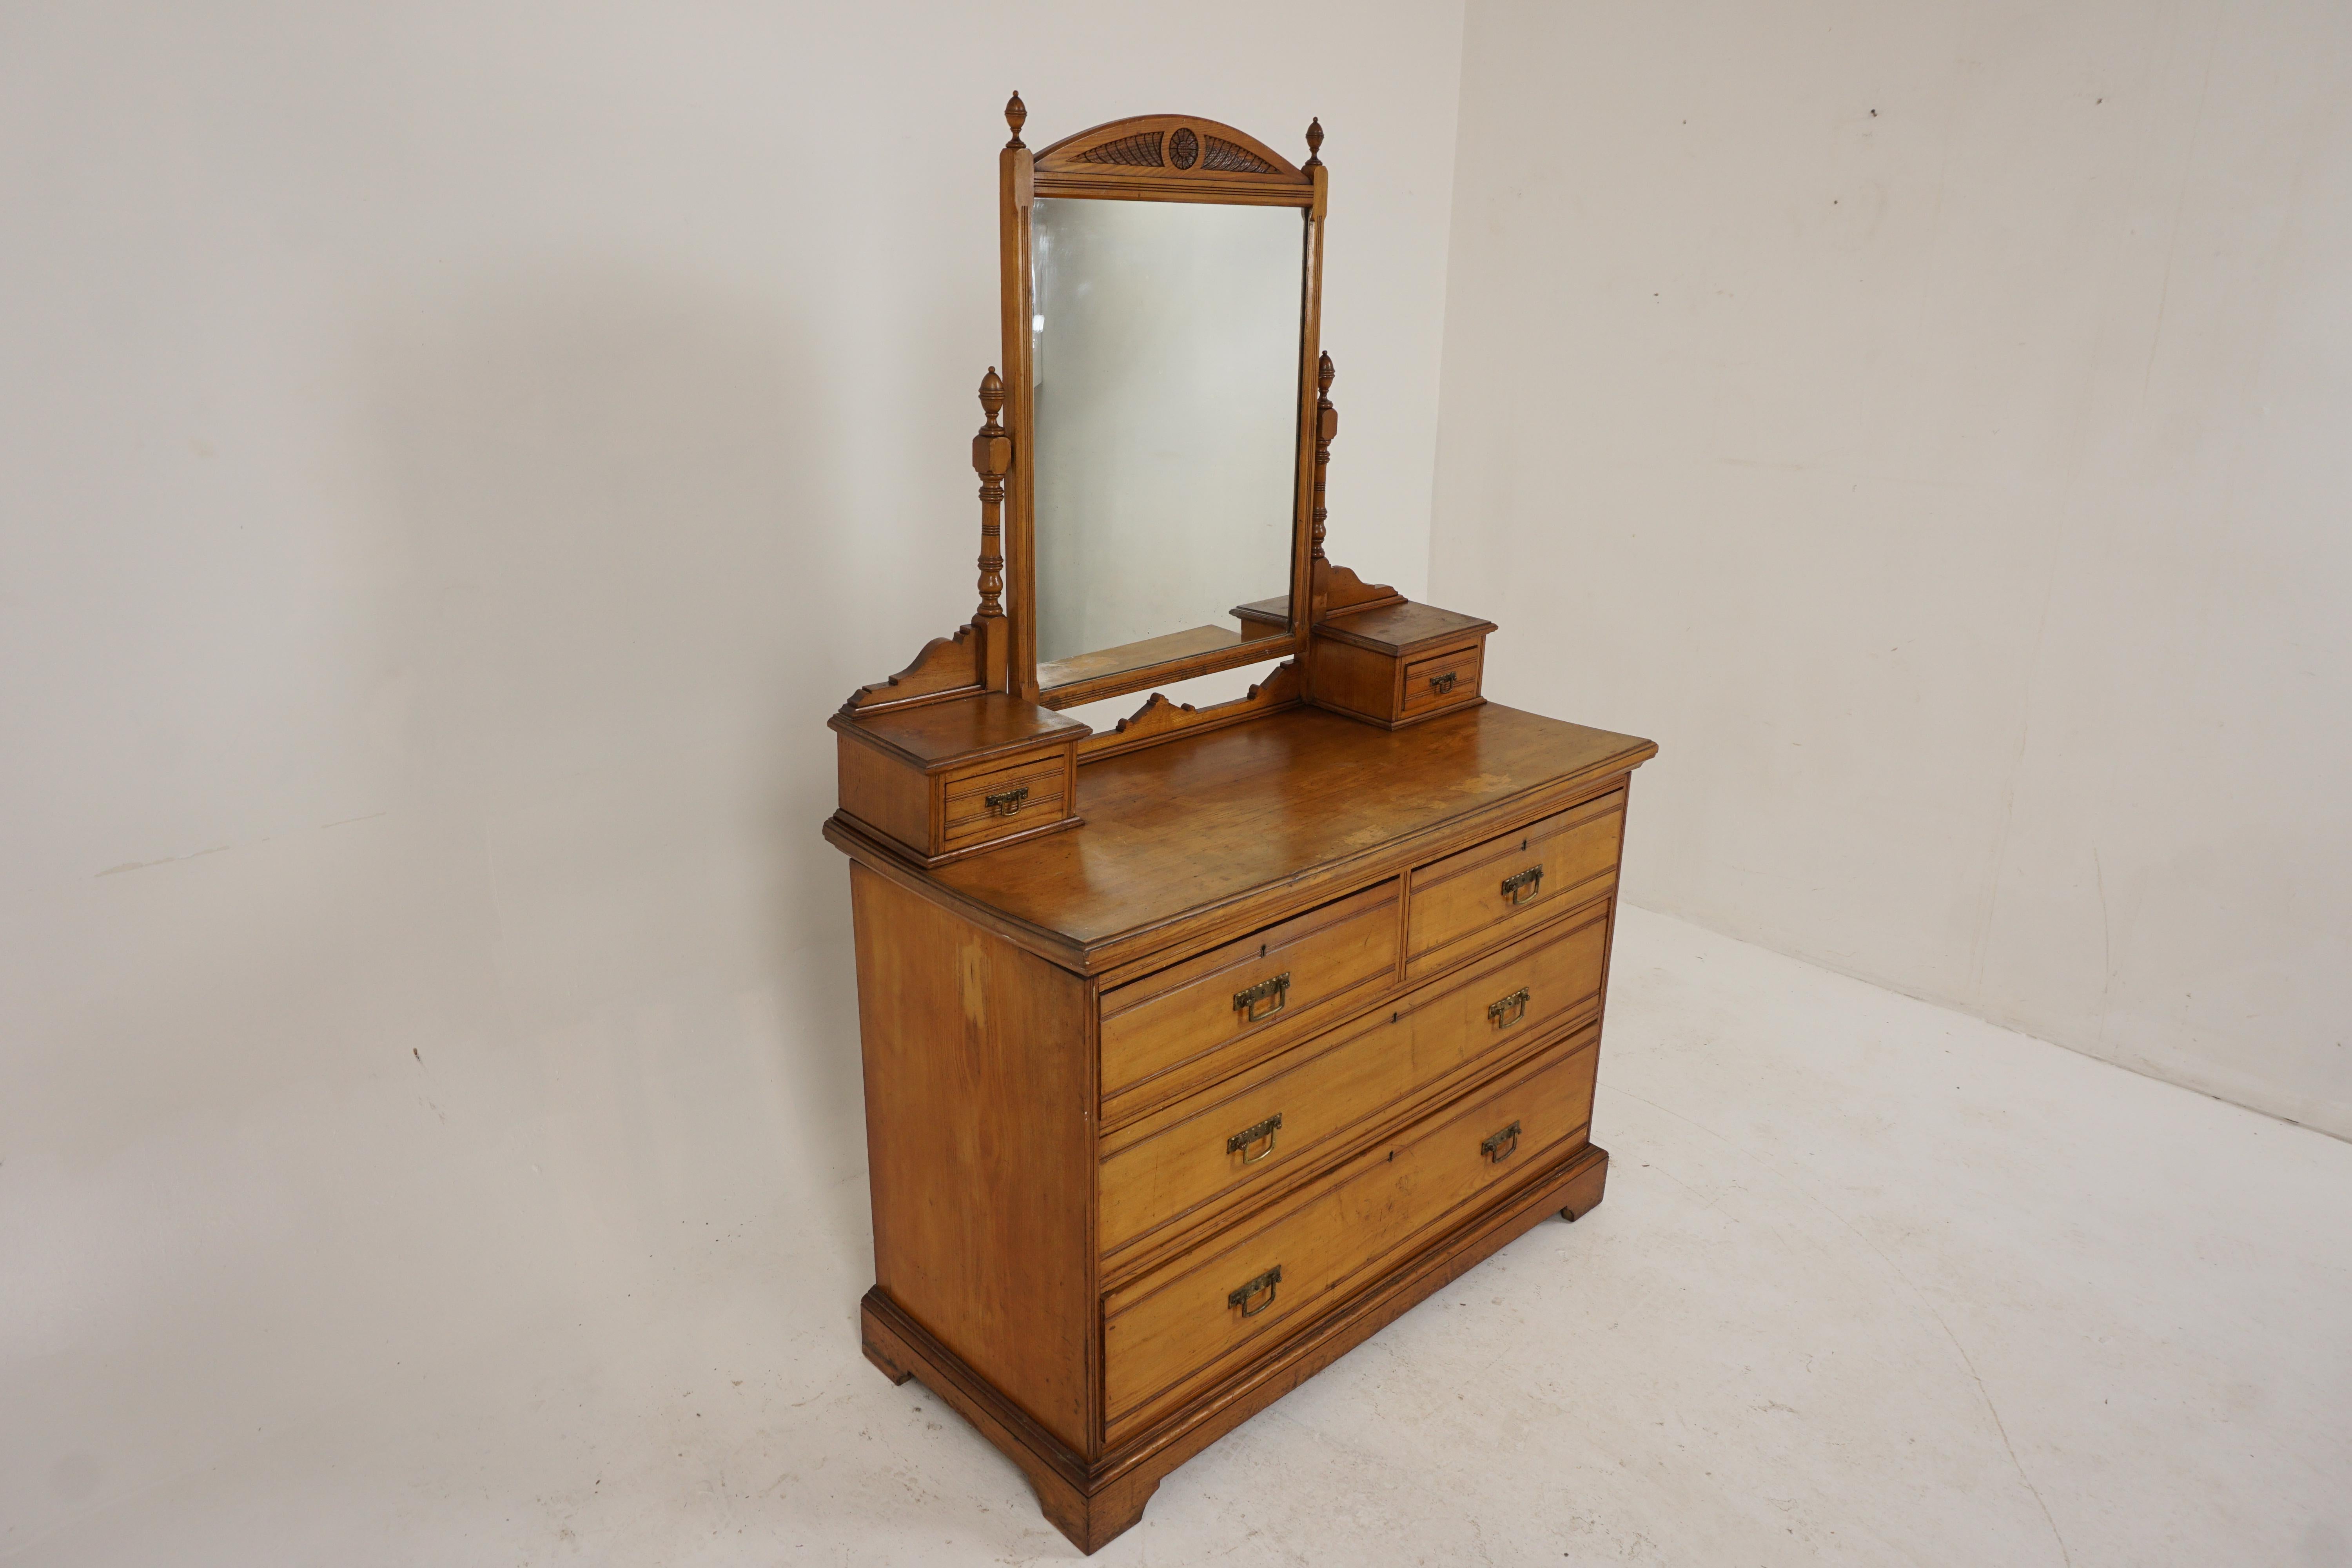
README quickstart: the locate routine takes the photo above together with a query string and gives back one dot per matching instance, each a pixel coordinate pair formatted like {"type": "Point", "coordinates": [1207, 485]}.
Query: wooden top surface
{"type": "Point", "coordinates": [1194, 823]}
{"type": "Point", "coordinates": [1400, 628]}
{"type": "Point", "coordinates": [939, 734]}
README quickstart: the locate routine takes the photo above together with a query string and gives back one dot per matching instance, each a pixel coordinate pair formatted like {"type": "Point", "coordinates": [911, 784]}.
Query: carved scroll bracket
{"type": "Point", "coordinates": [1327, 426]}
{"type": "Point", "coordinates": [1160, 720]}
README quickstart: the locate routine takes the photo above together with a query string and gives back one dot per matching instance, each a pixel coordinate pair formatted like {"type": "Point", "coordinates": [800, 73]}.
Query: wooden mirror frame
{"type": "Point", "coordinates": [1151, 158]}
{"type": "Point", "coordinates": [996, 655]}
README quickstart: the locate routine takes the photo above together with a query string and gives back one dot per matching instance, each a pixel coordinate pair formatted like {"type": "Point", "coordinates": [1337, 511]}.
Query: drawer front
{"type": "Point", "coordinates": [1441, 679]}
{"type": "Point", "coordinates": [1189, 1160]}
{"type": "Point", "coordinates": [1195, 1022]}
{"type": "Point", "coordinates": [1488, 892]}
{"type": "Point", "coordinates": [1180, 1328]}
{"type": "Point", "coordinates": [983, 805]}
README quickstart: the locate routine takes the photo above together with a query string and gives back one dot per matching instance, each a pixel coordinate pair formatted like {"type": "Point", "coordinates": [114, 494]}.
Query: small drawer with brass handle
{"type": "Point", "coordinates": [1508, 1010]}
{"type": "Point", "coordinates": [1442, 684]}
{"type": "Point", "coordinates": [1521, 886]}
{"type": "Point", "coordinates": [1501, 1146]}
{"type": "Point", "coordinates": [1007, 802]}
{"type": "Point", "coordinates": [1241, 1142]}
{"type": "Point", "coordinates": [1264, 1286]}
{"type": "Point", "coordinates": [1265, 999]}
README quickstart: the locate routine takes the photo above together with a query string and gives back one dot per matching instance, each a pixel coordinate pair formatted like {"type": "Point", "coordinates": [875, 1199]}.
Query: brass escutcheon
{"type": "Point", "coordinates": [1239, 1143]}
{"type": "Point", "coordinates": [1240, 1295]}
{"type": "Point", "coordinates": [1278, 990]}
{"type": "Point", "coordinates": [1501, 1146]}
{"type": "Point", "coordinates": [1521, 886]}
{"type": "Point", "coordinates": [1510, 1010]}
{"type": "Point", "coordinates": [1008, 804]}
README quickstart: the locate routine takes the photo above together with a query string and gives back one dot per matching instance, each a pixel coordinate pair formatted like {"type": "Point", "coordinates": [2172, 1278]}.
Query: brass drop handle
{"type": "Point", "coordinates": [1443, 683]}
{"type": "Point", "coordinates": [1521, 886]}
{"type": "Point", "coordinates": [1008, 803]}
{"type": "Point", "coordinates": [1264, 1285]}
{"type": "Point", "coordinates": [1510, 1010]}
{"type": "Point", "coordinates": [1252, 1003]}
{"type": "Point", "coordinates": [1239, 1144]}
{"type": "Point", "coordinates": [1501, 1146]}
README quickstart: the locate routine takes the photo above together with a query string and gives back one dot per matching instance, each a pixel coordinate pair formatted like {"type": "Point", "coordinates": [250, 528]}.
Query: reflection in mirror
{"type": "Point", "coordinates": [1166, 364]}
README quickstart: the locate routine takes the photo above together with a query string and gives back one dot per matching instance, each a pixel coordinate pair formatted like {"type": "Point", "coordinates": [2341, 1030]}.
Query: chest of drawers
{"type": "Point", "coordinates": [1166, 1115]}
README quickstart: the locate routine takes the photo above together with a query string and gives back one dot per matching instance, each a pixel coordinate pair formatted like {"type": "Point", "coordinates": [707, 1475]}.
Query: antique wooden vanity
{"type": "Point", "coordinates": [1197, 1049]}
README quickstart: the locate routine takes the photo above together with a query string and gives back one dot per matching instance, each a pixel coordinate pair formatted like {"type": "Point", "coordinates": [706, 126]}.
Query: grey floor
{"type": "Point", "coordinates": [1874, 1283]}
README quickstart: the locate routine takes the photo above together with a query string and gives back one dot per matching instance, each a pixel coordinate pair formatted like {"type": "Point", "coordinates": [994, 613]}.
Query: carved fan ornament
{"type": "Point", "coordinates": [1183, 148]}
{"type": "Point", "coordinates": [1229, 159]}
{"type": "Point", "coordinates": [1141, 150]}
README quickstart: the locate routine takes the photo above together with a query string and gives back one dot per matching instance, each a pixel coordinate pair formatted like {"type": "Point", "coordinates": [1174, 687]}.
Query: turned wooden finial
{"type": "Point", "coordinates": [992, 455]}
{"type": "Point", "coordinates": [1327, 426]}
{"type": "Point", "coordinates": [1016, 115]}
{"type": "Point", "coordinates": [1315, 143]}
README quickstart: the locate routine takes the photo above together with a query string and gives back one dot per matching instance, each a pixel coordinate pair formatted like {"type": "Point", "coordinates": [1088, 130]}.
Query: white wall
{"type": "Point", "coordinates": [1933, 424]}
{"type": "Point", "coordinates": [452, 458]}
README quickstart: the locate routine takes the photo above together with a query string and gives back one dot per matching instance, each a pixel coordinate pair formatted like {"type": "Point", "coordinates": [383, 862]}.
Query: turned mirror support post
{"type": "Point", "coordinates": [992, 456]}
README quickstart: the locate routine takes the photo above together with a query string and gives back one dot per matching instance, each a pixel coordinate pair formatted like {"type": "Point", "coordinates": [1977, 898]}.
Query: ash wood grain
{"type": "Point", "coordinates": [944, 735]}
{"type": "Point", "coordinates": [1171, 1332]}
{"type": "Point", "coordinates": [884, 791]}
{"type": "Point", "coordinates": [981, 1148]}
{"type": "Point", "coordinates": [1173, 1171]}
{"type": "Point", "coordinates": [1285, 805]}
{"type": "Point", "coordinates": [1460, 903]}
{"type": "Point", "coordinates": [1439, 681]}
{"type": "Point", "coordinates": [1168, 1031]}
{"type": "Point", "coordinates": [1405, 629]}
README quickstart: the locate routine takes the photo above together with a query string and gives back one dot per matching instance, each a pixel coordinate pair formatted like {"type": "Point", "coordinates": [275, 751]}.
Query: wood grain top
{"type": "Point", "coordinates": [941, 734]}
{"type": "Point", "coordinates": [1182, 829]}
{"type": "Point", "coordinates": [1402, 628]}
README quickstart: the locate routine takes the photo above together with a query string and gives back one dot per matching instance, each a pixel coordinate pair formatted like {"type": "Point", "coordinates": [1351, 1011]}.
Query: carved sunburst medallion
{"type": "Point", "coordinates": [1183, 148]}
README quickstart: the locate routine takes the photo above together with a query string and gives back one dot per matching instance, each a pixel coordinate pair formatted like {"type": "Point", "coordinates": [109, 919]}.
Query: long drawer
{"type": "Point", "coordinates": [1191, 1023]}
{"type": "Point", "coordinates": [1490, 891]}
{"type": "Point", "coordinates": [1175, 1331]}
{"type": "Point", "coordinates": [1192, 1159]}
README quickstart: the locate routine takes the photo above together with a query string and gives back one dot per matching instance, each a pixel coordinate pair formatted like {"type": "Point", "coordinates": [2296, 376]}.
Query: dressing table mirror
{"type": "Point", "coordinates": [1198, 1049]}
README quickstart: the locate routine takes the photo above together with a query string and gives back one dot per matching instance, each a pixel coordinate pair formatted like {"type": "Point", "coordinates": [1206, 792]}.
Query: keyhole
{"type": "Point", "coordinates": [1261, 950]}
{"type": "Point", "coordinates": [1523, 844]}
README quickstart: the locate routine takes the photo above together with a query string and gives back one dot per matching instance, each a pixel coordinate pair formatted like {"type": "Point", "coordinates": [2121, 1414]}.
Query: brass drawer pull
{"type": "Point", "coordinates": [1443, 683]}
{"type": "Point", "coordinates": [1241, 1296]}
{"type": "Point", "coordinates": [1007, 804]}
{"type": "Point", "coordinates": [1510, 1010]}
{"type": "Point", "coordinates": [1501, 1145]}
{"type": "Point", "coordinates": [1239, 1143]}
{"type": "Point", "coordinates": [1249, 1001]}
{"type": "Point", "coordinates": [1521, 886]}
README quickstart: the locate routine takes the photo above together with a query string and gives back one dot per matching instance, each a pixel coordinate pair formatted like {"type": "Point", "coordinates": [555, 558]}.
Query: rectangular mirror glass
{"type": "Point", "coordinates": [1167, 345]}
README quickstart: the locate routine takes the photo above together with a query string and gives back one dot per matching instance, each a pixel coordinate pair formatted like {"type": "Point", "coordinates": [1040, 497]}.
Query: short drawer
{"type": "Point", "coordinates": [984, 804]}
{"type": "Point", "coordinates": [1172, 1031]}
{"type": "Point", "coordinates": [1441, 679]}
{"type": "Point", "coordinates": [1189, 1161]}
{"type": "Point", "coordinates": [1488, 892]}
{"type": "Point", "coordinates": [1177, 1329]}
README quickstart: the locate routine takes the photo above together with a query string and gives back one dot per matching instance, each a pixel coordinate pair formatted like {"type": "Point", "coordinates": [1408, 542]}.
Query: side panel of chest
{"type": "Point", "coordinates": [980, 1091]}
